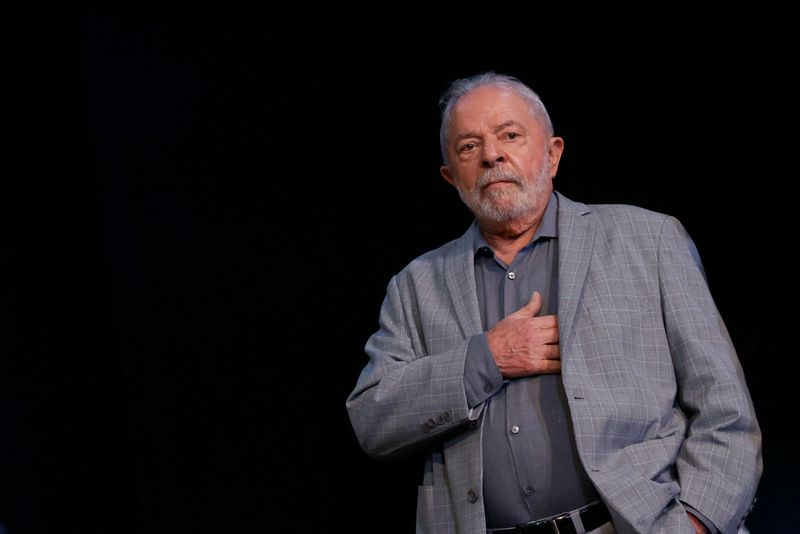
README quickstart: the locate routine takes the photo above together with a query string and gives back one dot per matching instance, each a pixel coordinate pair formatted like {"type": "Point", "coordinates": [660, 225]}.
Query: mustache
{"type": "Point", "coordinates": [494, 175]}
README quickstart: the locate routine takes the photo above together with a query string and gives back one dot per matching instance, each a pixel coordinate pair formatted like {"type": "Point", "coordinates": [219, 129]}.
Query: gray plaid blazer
{"type": "Point", "coordinates": [660, 408]}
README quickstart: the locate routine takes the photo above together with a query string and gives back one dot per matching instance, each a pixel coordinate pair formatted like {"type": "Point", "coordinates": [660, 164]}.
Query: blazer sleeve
{"type": "Point", "coordinates": [719, 464]}
{"type": "Point", "coordinates": [404, 397]}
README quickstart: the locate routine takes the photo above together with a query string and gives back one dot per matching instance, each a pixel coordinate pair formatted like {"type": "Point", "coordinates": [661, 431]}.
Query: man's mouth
{"type": "Point", "coordinates": [499, 183]}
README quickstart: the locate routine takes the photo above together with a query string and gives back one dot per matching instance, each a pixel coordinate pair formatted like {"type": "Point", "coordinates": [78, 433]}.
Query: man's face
{"type": "Point", "coordinates": [501, 160]}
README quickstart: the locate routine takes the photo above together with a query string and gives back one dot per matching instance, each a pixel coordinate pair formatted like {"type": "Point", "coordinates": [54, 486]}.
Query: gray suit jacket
{"type": "Point", "coordinates": [659, 405]}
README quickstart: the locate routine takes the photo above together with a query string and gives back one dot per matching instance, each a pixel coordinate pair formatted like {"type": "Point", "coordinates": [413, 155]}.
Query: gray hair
{"type": "Point", "coordinates": [463, 86]}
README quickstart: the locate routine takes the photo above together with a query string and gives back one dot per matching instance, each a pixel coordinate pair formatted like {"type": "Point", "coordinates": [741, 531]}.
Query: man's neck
{"type": "Point", "coordinates": [509, 239]}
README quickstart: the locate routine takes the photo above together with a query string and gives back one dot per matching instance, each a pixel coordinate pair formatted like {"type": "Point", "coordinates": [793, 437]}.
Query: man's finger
{"type": "Point", "coordinates": [542, 322]}
{"type": "Point", "coordinates": [546, 367]}
{"type": "Point", "coordinates": [534, 306]}
{"type": "Point", "coordinates": [550, 336]}
{"type": "Point", "coordinates": [552, 352]}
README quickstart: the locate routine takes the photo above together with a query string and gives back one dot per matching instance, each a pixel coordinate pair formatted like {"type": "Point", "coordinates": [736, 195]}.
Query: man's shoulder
{"type": "Point", "coordinates": [626, 223]}
{"type": "Point", "coordinates": [626, 213]}
{"type": "Point", "coordinates": [432, 258]}
{"type": "Point", "coordinates": [609, 211]}
{"type": "Point", "coordinates": [433, 261]}
{"type": "Point", "coordinates": [617, 215]}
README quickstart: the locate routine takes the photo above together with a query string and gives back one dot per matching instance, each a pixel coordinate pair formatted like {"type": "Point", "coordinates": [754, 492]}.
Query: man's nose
{"type": "Point", "coordinates": [492, 155]}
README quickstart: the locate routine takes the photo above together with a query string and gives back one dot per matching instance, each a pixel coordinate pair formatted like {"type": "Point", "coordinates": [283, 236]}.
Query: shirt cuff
{"type": "Point", "coordinates": [482, 378]}
{"type": "Point", "coordinates": [703, 519]}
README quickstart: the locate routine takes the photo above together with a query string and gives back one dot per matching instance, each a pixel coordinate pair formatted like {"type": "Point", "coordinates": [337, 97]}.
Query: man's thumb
{"type": "Point", "coordinates": [534, 306]}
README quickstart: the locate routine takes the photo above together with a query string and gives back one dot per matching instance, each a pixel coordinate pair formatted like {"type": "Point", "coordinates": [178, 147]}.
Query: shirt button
{"type": "Point", "coordinates": [528, 491]}
{"type": "Point", "coordinates": [514, 429]}
{"type": "Point", "coordinates": [512, 275]}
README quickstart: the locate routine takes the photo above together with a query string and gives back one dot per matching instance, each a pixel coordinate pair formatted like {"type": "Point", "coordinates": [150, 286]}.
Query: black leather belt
{"type": "Point", "coordinates": [592, 516]}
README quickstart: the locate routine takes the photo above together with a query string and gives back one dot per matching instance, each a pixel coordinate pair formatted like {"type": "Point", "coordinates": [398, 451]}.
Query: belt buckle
{"type": "Point", "coordinates": [554, 522]}
{"type": "Point", "coordinates": [537, 526]}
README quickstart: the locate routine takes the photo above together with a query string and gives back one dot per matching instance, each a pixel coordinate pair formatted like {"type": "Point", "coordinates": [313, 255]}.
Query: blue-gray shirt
{"type": "Point", "coordinates": [531, 464]}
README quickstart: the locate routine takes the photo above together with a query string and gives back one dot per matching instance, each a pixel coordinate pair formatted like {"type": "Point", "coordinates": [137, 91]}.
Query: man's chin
{"type": "Point", "coordinates": [502, 211]}
{"type": "Point", "coordinates": [498, 218]}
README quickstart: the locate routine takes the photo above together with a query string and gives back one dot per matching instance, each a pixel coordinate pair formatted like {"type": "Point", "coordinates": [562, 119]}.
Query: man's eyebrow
{"type": "Point", "coordinates": [466, 135]}
{"type": "Point", "coordinates": [496, 129]}
{"type": "Point", "coordinates": [506, 125]}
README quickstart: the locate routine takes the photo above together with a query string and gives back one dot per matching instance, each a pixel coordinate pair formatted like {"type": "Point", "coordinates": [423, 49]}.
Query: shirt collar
{"type": "Point", "coordinates": [547, 228]}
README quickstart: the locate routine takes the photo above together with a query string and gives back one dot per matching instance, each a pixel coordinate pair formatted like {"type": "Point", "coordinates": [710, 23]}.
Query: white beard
{"type": "Point", "coordinates": [506, 204]}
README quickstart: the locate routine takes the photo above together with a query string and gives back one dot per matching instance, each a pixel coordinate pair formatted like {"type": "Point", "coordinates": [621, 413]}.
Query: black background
{"type": "Point", "coordinates": [202, 211]}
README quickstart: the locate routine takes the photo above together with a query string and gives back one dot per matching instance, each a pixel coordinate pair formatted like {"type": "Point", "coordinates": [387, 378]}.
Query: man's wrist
{"type": "Point", "coordinates": [699, 526]}
{"type": "Point", "coordinates": [697, 517]}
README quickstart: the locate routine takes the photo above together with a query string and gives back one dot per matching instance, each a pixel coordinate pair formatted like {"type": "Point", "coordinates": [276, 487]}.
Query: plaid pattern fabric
{"type": "Point", "coordinates": [660, 408]}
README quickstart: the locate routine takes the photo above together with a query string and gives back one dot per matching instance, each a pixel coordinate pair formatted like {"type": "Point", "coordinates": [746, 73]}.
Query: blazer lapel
{"type": "Point", "coordinates": [459, 273]}
{"type": "Point", "coordinates": [576, 230]}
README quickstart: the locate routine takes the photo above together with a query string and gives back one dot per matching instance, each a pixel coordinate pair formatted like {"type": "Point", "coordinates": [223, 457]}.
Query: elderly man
{"type": "Point", "coordinates": [564, 365]}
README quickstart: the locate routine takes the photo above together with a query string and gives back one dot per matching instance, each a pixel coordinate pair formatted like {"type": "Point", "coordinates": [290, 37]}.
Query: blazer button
{"type": "Point", "coordinates": [440, 419]}
{"type": "Point", "coordinates": [472, 496]}
{"type": "Point", "coordinates": [431, 423]}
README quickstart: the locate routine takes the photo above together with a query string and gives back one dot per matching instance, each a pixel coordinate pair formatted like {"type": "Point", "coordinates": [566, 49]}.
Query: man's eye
{"type": "Point", "coordinates": [512, 135]}
{"type": "Point", "coordinates": [467, 147]}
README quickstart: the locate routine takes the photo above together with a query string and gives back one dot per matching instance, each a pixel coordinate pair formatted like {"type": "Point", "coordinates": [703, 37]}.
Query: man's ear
{"type": "Point", "coordinates": [554, 151]}
{"type": "Point", "coordinates": [447, 175]}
